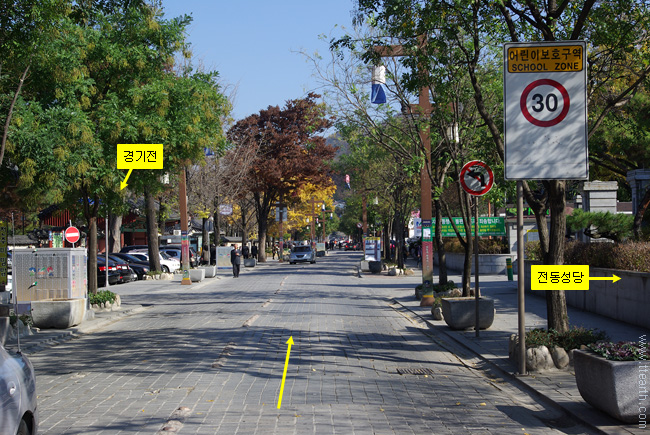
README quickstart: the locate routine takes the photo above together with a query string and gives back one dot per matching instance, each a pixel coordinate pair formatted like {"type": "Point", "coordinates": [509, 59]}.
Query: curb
{"type": "Point", "coordinates": [50, 337]}
{"type": "Point", "coordinates": [578, 417]}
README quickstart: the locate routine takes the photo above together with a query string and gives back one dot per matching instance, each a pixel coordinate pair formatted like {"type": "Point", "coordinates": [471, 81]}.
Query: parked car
{"type": "Point", "coordinates": [302, 254]}
{"type": "Point", "coordinates": [167, 263]}
{"type": "Point", "coordinates": [174, 251]}
{"type": "Point", "coordinates": [113, 274]}
{"type": "Point", "coordinates": [127, 249]}
{"type": "Point", "coordinates": [141, 268]}
{"type": "Point", "coordinates": [126, 274]}
{"type": "Point", "coordinates": [18, 411]}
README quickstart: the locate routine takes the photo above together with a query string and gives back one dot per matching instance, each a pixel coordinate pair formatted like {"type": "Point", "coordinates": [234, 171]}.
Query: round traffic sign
{"type": "Point", "coordinates": [359, 225]}
{"type": "Point", "coordinates": [72, 234]}
{"type": "Point", "coordinates": [476, 178]}
{"type": "Point", "coordinates": [545, 103]}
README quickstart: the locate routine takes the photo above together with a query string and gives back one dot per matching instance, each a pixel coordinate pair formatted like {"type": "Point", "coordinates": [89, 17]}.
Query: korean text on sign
{"type": "Point", "coordinates": [139, 156]}
{"type": "Point", "coordinates": [564, 277]}
{"type": "Point", "coordinates": [561, 58]}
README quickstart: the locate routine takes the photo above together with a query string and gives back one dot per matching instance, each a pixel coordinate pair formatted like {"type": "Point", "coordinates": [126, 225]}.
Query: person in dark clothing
{"type": "Point", "coordinates": [235, 259]}
{"type": "Point", "coordinates": [254, 251]}
{"type": "Point", "coordinates": [244, 251]}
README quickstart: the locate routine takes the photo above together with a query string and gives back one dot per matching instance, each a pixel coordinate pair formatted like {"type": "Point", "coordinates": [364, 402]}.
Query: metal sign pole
{"type": "Point", "coordinates": [521, 312]}
{"type": "Point", "coordinates": [476, 274]}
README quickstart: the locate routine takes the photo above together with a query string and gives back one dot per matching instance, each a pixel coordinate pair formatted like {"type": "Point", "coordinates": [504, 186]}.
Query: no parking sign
{"type": "Point", "coordinates": [545, 98]}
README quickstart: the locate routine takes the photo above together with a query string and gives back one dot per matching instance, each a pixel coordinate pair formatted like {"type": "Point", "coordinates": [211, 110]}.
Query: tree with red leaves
{"type": "Point", "coordinates": [290, 153]}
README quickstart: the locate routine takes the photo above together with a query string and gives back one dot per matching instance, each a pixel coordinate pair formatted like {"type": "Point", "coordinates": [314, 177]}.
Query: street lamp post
{"type": "Point", "coordinates": [424, 107]}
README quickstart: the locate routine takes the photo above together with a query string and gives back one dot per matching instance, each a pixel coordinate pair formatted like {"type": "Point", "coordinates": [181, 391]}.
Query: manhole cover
{"type": "Point", "coordinates": [414, 371]}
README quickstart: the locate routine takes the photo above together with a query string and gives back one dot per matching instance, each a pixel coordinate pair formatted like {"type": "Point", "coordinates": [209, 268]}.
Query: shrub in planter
{"type": "Point", "coordinates": [608, 377]}
{"type": "Point", "coordinates": [101, 297]}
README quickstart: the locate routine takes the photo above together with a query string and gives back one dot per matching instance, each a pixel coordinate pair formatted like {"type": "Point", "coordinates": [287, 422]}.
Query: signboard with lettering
{"type": "Point", "coordinates": [545, 111]}
{"type": "Point", "coordinates": [487, 226]}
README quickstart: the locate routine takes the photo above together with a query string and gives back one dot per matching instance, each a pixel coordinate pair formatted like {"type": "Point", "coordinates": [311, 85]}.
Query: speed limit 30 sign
{"type": "Point", "coordinates": [545, 116]}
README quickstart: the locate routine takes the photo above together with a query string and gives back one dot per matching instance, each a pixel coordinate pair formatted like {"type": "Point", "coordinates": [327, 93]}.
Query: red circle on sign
{"type": "Point", "coordinates": [551, 122]}
{"type": "Point", "coordinates": [478, 170]}
{"type": "Point", "coordinates": [72, 234]}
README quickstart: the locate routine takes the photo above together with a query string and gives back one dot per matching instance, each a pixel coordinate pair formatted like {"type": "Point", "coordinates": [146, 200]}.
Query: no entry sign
{"type": "Point", "coordinates": [476, 178]}
{"type": "Point", "coordinates": [545, 98]}
{"type": "Point", "coordinates": [72, 234]}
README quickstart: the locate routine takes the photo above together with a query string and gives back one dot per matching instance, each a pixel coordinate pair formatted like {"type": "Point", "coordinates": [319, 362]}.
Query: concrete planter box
{"type": "Point", "coordinates": [210, 271]}
{"type": "Point", "coordinates": [489, 264]}
{"type": "Point", "coordinates": [197, 275]}
{"type": "Point", "coordinates": [610, 386]}
{"type": "Point", "coordinates": [374, 267]}
{"type": "Point", "coordinates": [58, 313]}
{"type": "Point", "coordinates": [249, 262]}
{"type": "Point", "coordinates": [460, 313]}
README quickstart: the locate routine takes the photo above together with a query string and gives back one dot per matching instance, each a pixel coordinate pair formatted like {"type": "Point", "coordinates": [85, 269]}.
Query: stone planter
{"type": "Point", "coordinates": [375, 267]}
{"type": "Point", "coordinates": [197, 275]}
{"type": "Point", "coordinates": [58, 313]}
{"type": "Point", "coordinates": [249, 262]}
{"type": "Point", "coordinates": [610, 386]}
{"type": "Point", "coordinates": [459, 313]}
{"type": "Point", "coordinates": [210, 271]}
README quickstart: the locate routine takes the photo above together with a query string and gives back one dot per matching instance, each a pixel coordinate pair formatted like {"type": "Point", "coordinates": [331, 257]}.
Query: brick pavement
{"type": "Point", "coordinates": [209, 358]}
{"type": "Point", "coordinates": [556, 386]}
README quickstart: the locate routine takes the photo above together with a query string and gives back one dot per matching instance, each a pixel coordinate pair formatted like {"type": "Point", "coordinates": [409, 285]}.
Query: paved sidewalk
{"type": "Point", "coordinates": [557, 386]}
{"type": "Point", "coordinates": [208, 359]}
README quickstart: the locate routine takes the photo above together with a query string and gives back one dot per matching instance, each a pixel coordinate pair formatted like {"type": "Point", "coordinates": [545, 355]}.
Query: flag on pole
{"type": "Point", "coordinates": [378, 95]}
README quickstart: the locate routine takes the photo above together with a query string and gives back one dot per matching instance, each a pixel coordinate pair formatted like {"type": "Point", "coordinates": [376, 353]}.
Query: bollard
{"type": "Point", "coordinates": [509, 268]}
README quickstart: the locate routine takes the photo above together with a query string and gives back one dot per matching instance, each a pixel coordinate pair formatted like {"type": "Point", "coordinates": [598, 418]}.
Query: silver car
{"type": "Point", "coordinates": [302, 253]}
{"type": "Point", "coordinates": [18, 413]}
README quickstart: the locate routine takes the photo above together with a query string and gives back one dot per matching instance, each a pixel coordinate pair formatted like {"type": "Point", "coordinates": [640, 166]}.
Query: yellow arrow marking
{"type": "Point", "coordinates": [284, 375]}
{"type": "Point", "coordinates": [123, 183]}
{"type": "Point", "coordinates": [612, 278]}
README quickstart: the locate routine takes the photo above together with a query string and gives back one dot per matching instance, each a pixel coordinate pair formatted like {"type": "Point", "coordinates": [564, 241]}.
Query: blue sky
{"type": "Point", "coordinates": [253, 44]}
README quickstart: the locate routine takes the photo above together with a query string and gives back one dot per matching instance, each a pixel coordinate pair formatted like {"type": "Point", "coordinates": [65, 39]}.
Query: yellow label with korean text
{"type": "Point", "coordinates": [545, 58]}
{"type": "Point", "coordinates": [139, 156]}
{"type": "Point", "coordinates": [554, 277]}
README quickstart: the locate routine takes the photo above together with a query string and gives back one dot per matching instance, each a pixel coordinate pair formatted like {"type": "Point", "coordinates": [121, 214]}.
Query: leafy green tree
{"type": "Point", "coordinates": [612, 28]}
{"type": "Point", "coordinates": [81, 105]}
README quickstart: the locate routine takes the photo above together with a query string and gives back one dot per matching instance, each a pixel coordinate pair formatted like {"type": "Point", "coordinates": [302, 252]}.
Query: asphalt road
{"type": "Point", "coordinates": [208, 358]}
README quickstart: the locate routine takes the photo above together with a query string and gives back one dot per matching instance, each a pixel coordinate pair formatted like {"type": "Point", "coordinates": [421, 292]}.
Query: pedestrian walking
{"type": "Point", "coordinates": [245, 251]}
{"type": "Point", "coordinates": [235, 259]}
{"type": "Point", "coordinates": [254, 251]}
{"type": "Point", "coordinates": [274, 250]}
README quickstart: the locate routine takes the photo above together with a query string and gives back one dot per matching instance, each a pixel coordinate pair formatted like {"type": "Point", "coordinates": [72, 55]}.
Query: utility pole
{"type": "Point", "coordinates": [424, 108]}
{"type": "Point", "coordinates": [185, 238]}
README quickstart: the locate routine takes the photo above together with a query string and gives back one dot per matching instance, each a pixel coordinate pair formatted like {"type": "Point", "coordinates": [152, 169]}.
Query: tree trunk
{"type": "Point", "coordinates": [92, 254]}
{"type": "Point", "coordinates": [442, 258]}
{"type": "Point", "coordinates": [152, 231]}
{"type": "Point", "coordinates": [206, 242]}
{"type": "Point", "coordinates": [244, 224]}
{"type": "Point", "coordinates": [115, 239]}
{"type": "Point", "coordinates": [638, 218]}
{"type": "Point", "coordinates": [262, 229]}
{"type": "Point", "coordinates": [386, 242]}
{"type": "Point", "coordinates": [556, 310]}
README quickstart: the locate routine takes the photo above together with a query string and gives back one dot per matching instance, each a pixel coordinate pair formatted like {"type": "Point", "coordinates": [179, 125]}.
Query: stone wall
{"type": "Point", "coordinates": [627, 300]}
